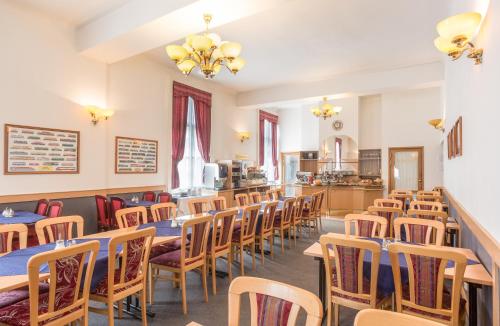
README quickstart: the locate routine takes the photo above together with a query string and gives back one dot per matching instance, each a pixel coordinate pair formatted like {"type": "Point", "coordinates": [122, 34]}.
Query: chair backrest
{"type": "Point", "coordinates": [344, 273]}
{"type": "Point", "coordinates": [149, 196]}
{"type": "Point", "coordinates": [418, 230]}
{"type": "Point", "coordinates": [402, 192]}
{"type": "Point", "coordinates": [66, 293]}
{"type": "Point", "coordinates": [437, 198]}
{"type": "Point", "coordinates": [196, 251]}
{"type": "Point", "coordinates": [300, 202]}
{"type": "Point", "coordinates": [241, 200]}
{"type": "Point", "coordinates": [115, 204]}
{"type": "Point", "coordinates": [7, 233]}
{"type": "Point", "coordinates": [384, 202]}
{"type": "Point", "coordinates": [222, 230]}
{"type": "Point", "coordinates": [425, 294]}
{"type": "Point", "coordinates": [428, 215]}
{"type": "Point", "coordinates": [272, 302]}
{"type": "Point", "coordinates": [426, 205]}
{"type": "Point", "coordinates": [403, 198]}
{"type": "Point", "coordinates": [249, 219]}
{"type": "Point", "coordinates": [55, 208]}
{"type": "Point", "coordinates": [438, 189]}
{"type": "Point", "coordinates": [218, 203]}
{"type": "Point", "coordinates": [199, 205]}
{"type": "Point", "coordinates": [379, 317]}
{"type": "Point", "coordinates": [132, 216]}
{"type": "Point", "coordinates": [271, 195]}
{"type": "Point", "coordinates": [101, 202]}
{"type": "Point", "coordinates": [279, 194]}
{"type": "Point", "coordinates": [268, 215]}
{"type": "Point", "coordinates": [255, 197]}
{"type": "Point", "coordinates": [287, 211]}
{"type": "Point", "coordinates": [389, 213]}
{"type": "Point", "coordinates": [428, 193]}
{"type": "Point", "coordinates": [135, 247]}
{"type": "Point", "coordinates": [163, 211]}
{"type": "Point", "coordinates": [41, 207]}
{"type": "Point", "coordinates": [61, 228]}
{"type": "Point", "coordinates": [164, 197]}
{"type": "Point", "coordinates": [370, 226]}
{"type": "Point", "coordinates": [319, 202]}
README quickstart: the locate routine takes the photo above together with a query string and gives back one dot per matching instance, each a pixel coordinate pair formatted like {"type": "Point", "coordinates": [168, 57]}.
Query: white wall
{"type": "Point", "coordinates": [298, 129]}
{"type": "Point", "coordinates": [472, 91]}
{"type": "Point", "coordinates": [370, 122]}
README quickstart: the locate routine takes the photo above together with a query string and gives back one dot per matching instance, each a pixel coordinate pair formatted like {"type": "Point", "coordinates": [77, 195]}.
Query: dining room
{"type": "Point", "coordinates": [160, 162]}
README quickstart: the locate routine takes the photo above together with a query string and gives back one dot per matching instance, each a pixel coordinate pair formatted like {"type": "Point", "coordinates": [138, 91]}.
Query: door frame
{"type": "Point", "coordinates": [420, 150]}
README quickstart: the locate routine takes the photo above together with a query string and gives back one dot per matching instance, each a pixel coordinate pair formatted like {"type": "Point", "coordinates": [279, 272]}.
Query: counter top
{"type": "Point", "coordinates": [375, 187]}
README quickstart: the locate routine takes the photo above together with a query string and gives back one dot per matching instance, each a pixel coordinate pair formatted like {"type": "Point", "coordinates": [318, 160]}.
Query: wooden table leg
{"type": "Point", "coordinates": [322, 284]}
{"type": "Point", "coordinates": [473, 303]}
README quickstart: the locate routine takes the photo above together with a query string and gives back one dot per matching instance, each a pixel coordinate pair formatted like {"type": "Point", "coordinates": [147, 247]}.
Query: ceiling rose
{"type": "Point", "coordinates": [206, 51]}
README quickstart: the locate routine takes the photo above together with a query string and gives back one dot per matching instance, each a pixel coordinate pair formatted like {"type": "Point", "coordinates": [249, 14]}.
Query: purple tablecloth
{"type": "Point", "coordinates": [163, 228]}
{"type": "Point", "coordinates": [16, 262]}
{"type": "Point", "coordinates": [21, 217]}
{"type": "Point", "coordinates": [144, 203]}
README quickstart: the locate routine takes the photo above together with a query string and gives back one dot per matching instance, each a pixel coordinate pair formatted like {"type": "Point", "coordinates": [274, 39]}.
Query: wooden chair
{"type": "Point", "coordinates": [297, 217]}
{"type": "Point", "coordinates": [271, 195]}
{"type": "Point", "coordinates": [266, 229]}
{"type": "Point", "coordinates": [220, 243]}
{"type": "Point", "coordinates": [426, 205]}
{"type": "Point", "coordinates": [103, 220]}
{"type": "Point", "coordinates": [396, 203]}
{"type": "Point", "coordinates": [163, 211]}
{"type": "Point", "coordinates": [255, 197]}
{"type": "Point", "coordinates": [369, 226]}
{"type": "Point", "coordinates": [132, 216]}
{"type": "Point", "coordinates": [41, 207]}
{"type": "Point", "coordinates": [55, 208]}
{"type": "Point", "coordinates": [436, 198]}
{"type": "Point", "coordinates": [309, 214]}
{"type": "Point", "coordinates": [60, 228]}
{"type": "Point", "coordinates": [218, 203]}
{"type": "Point", "coordinates": [319, 206]}
{"type": "Point", "coordinates": [428, 215]}
{"type": "Point", "coordinates": [377, 317]}
{"type": "Point", "coordinates": [420, 231]}
{"type": "Point", "coordinates": [241, 200]}
{"type": "Point", "coordinates": [163, 197]}
{"type": "Point", "coordinates": [428, 193]}
{"type": "Point", "coordinates": [426, 294]}
{"type": "Point", "coordinates": [64, 299]}
{"type": "Point", "coordinates": [7, 234]}
{"type": "Point", "coordinates": [405, 196]}
{"type": "Point", "coordinates": [389, 213]}
{"type": "Point", "coordinates": [439, 190]}
{"type": "Point", "coordinates": [199, 205]}
{"type": "Point", "coordinates": [272, 302]}
{"type": "Point", "coordinates": [345, 283]}
{"type": "Point", "coordinates": [245, 235]}
{"type": "Point", "coordinates": [115, 204]}
{"type": "Point", "coordinates": [283, 222]}
{"type": "Point", "coordinates": [149, 196]}
{"type": "Point", "coordinates": [129, 278]}
{"type": "Point", "coordinates": [187, 258]}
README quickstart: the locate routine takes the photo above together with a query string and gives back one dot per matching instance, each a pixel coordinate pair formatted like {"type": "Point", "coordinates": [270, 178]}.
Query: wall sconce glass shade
{"type": "Point", "coordinates": [464, 25]}
{"type": "Point", "coordinates": [445, 45]}
{"type": "Point", "coordinates": [244, 135]}
{"type": "Point", "coordinates": [97, 114]}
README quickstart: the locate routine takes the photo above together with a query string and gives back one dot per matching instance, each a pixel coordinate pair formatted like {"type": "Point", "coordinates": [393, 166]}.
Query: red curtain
{"type": "Point", "coordinates": [179, 122]}
{"type": "Point", "coordinates": [273, 119]}
{"type": "Point", "coordinates": [203, 128]}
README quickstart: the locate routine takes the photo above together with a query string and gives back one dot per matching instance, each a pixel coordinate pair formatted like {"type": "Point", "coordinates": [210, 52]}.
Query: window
{"type": "Point", "coordinates": [268, 150]}
{"type": "Point", "coordinates": [191, 166]}
{"type": "Point", "coordinates": [338, 154]}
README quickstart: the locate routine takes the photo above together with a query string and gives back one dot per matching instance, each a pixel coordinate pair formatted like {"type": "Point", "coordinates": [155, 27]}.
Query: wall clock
{"type": "Point", "coordinates": [337, 125]}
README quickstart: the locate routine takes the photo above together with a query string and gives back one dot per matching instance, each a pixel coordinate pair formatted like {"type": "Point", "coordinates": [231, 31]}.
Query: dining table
{"type": "Point", "coordinates": [475, 275]}
{"type": "Point", "coordinates": [22, 217]}
{"type": "Point", "coordinates": [144, 203]}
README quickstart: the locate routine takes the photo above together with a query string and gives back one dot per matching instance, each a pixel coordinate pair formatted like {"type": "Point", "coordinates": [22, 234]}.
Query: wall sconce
{"type": "Point", "coordinates": [243, 135]}
{"type": "Point", "coordinates": [455, 34]}
{"type": "Point", "coordinates": [97, 114]}
{"type": "Point", "coordinates": [438, 124]}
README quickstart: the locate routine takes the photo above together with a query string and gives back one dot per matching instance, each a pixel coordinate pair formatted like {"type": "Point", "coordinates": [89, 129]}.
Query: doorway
{"type": "Point", "coordinates": [290, 165]}
{"type": "Point", "coordinates": [406, 168]}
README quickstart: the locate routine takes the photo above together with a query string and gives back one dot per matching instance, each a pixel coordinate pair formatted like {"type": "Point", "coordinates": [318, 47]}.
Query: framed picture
{"type": "Point", "coordinates": [36, 150]}
{"type": "Point", "coordinates": [458, 129]}
{"type": "Point", "coordinates": [134, 155]}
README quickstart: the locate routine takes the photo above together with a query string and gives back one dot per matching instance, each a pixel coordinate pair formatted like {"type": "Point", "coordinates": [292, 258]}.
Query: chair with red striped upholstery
{"type": "Point", "coordinates": [384, 202]}
{"type": "Point", "coordinates": [283, 222]}
{"type": "Point", "coordinates": [55, 208]}
{"type": "Point", "coordinates": [241, 200]}
{"type": "Point", "coordinates": [369, 226]}
{"type": "Point", "coordinates": [419, 230]}
{"type": "Point", "coordinates": [428, 215]}
{"type": "Point", "coordinates": [218, 203]}
{"type": "Point", "coordinates": [164, 197]}
{"type": "Point", "coordinates": [41, 207]}
{"type": "Point", "coordinates": [163, 211]}
{"type": "Point", "coordinates": [64, 299]}
{"type": "Point", "coordinates": [199, 205]}
{"type": "Point", "coordinates": [426, 294]}
{"type": "Point", "coordinates": [427, 205]}
{"type": "Point", "coordinates": [297, 216]}
{"type": "Point", "coordinates": [132, 216]}
{"type": "Point", "coordinates": [437, 198]}
{"type": "Point", "coordinates": [405, 196]}
{"type": "Point", "coordinates": [115, 203]}
{"type": "Point", "coordinates": [149, 196]}
{"type": "Point", "coordinates": [7, 234]}
{"type": "Point", "coordinates": [102, 205]}
{"type": "Point", "coordinates": [187, 258]}
{"type": "Point", "coordinates": [255, 197]}
{"type": "Point", "coordinates": [389, 213]}
{"type": "Point", "coordinates": [52, 229]}
{"type": "Point", "coordinates": [244, 236]}
{"type": "Point", "coordinates": [265, 229]}
{"type": "Point", "coordinates": [346, 283]}
{"type": "Point", "coordinates": [272, 303]}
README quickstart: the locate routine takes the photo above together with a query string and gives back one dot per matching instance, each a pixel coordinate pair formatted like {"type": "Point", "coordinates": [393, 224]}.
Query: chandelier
{"type": "Point", "coordinates": [325, 109]}
{"type": "Point", "coordinates": [208, 52]}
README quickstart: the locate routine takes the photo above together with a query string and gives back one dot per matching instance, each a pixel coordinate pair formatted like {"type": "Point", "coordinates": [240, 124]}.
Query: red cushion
{"type": "Point", "coordinates": [10, 297]}
{"type": "Point", "coordinates": [102, 287]}
{"type": "Point", "coordinates": [164, 248]}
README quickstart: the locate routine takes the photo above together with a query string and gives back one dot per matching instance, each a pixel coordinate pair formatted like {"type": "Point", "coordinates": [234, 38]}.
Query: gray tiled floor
{"type": "Point", "coordinates": [292, 268]}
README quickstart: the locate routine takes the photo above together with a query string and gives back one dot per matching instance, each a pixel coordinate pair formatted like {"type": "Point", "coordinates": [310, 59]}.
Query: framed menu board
{"type": "Point", "coordinates": [134, 155]}
{"type": "Point", "coordinates": [35, 150]}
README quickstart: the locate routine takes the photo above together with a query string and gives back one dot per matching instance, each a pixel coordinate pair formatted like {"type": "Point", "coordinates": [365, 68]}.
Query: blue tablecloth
{"type": "Point", "coordinates": [21, 217]}
{"type": "Point", "coordinates": [144, 203]}
{"type": "Point", "coordinates": [163, 228]}
{"type": "Point", "coordinates": [16, 262]}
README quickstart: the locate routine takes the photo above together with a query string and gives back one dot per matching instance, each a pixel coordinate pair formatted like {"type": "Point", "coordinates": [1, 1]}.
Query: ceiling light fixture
{"type": "Point", "coordinates": [325, 109]}
{"type": "Point", "coordinates": [208, 52]}
{"type": "Point", "coordinates": [455, 34]}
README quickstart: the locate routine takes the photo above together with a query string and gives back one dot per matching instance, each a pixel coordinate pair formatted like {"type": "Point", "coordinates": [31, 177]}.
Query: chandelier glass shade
{"type": "Point", "coordinates": [325, 109]}
{"type": "Point", "coordinates": [206, 51]}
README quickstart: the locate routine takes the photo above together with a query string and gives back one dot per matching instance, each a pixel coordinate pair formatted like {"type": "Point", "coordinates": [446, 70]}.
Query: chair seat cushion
{"type": "Point", "coordinates": [366, 290]}
{"type": "Point", "coordinates": [164, 248]}
{"type": "Point", "coordinates": [102, 287]}
{"type": "Point", "coordinates": [170, 259]}
{"type": "Point", "coordinates": [10, 297]}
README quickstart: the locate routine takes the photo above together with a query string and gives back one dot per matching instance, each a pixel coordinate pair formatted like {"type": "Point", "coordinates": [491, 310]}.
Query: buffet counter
{"type": "Point", "coordinates": [229, 193]}
{"type": "Point", "coordinates": [343, 199]}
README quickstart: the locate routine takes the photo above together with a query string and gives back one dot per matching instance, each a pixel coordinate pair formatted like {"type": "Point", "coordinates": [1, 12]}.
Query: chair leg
{"type": "Point", "coordinates": [150, 284]}
{"type": "Point", "coordinates": [242, 262]}
{"type": "Point", "coordinates": [214, 281]}
{"type": "Point", "coordinates": [229, 266]}
{"type": "Point", "coordinates": [295, 235]}
{"type": "Point", "coordinates": [204, 281]}
{"type": "Point", "coordinates": [262, 250]}
{"type": "Point", "coordinates": [336, 314]}
{"type": "Point", "coordinates": [329, 314]}
{"type": "Point", "coordinates": [289, 236]}
{"type": "Point", "coordinates": [282, 234]}
{"type": "Point", "coordinates": [320, 222]}
{"type": "Point", "coordinates": [253, 255]}
{"type": "Point", "coordinates": [271, 245]}
{"type": "Point", "coordinates": [120, 309]}
{"type": "Point", "coordinates": [143, 310]}
{"type": "Point", "coordinates": [111, 314]}
{"type": "Point", "coordinates": [183, 289]}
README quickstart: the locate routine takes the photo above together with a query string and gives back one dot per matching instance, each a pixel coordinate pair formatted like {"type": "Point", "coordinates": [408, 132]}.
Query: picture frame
{"type": "Point", "coordinates": [135, 155]}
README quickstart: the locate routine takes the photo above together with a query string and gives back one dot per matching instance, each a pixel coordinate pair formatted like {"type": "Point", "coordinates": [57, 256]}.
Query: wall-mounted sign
{"type": "Point", "coordinates": [134, 155]}
{"type": "Point", "coordinates": [35, 150]}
